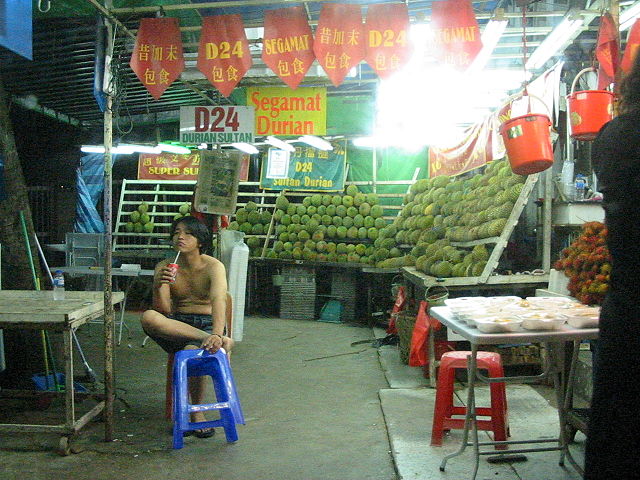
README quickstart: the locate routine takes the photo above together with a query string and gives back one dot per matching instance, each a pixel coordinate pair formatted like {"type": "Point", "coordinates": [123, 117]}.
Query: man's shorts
{"type": "Point", "coordinates": [198, 320]}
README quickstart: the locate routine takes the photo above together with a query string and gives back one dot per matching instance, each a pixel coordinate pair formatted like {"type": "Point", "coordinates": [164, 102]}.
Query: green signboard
{"type": "Point", "coordinates": [307, 169]}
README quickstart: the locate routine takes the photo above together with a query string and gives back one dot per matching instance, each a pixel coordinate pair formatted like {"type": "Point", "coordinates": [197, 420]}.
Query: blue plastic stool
{"type": "Point", "coordinates": [197, 363]}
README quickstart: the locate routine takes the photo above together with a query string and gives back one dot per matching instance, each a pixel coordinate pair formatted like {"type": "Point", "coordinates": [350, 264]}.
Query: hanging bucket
{"type": "Point", "coordinates": [436, 295]}
{"type": "Point", "coordinates": [589, 110]}
{"type": "Point", "coordinates": [528, 142]}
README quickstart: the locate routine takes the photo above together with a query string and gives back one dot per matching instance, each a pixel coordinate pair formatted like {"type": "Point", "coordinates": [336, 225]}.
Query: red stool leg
{"type": "Point", "coordinates": [444, 400]}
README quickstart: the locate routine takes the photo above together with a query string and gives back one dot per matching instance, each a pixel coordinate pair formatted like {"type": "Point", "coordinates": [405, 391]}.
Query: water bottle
{"type": "Point", "coordinates": [581, 186]}
{"type": "Point", "coordinates": [58, 285]}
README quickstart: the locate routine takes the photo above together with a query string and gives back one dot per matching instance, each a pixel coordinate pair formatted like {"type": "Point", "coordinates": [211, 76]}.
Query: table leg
{"type": "Point", "coordinates": [69, 395]}
{"type": "Point", "coordinates": [563, 408]}
{"type": "Point", "coordinates": [432, 356]}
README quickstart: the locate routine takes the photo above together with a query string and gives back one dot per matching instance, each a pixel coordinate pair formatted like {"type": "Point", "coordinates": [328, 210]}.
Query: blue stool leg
{"type": "Point", "coordinates": [180, 400]}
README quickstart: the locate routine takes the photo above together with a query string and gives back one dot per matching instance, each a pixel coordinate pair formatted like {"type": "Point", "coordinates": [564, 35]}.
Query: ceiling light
{"type": "Point", "coordinates": [125, 150]}
{"type": "Point", "coordinates": [245, 147]}
{"type": "Point", "coordinates": [276, 142]}
{"type": "Point", "coordinates": [365, 142]}
{"type": "Point", "coordinates": [142, 148]}
{"type": "Point", "coordinates": [317, 142]}
{"type": "Point", "coordinates": [556, 41]}
{"type": "Point", "coordinates": [491, 35]}
{"type": "Point", "coordinates": [628, 16]}
{"type": "Point", "coordinates": [171, 148]}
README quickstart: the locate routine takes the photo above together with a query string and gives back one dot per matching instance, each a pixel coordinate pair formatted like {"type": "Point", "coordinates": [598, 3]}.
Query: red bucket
{"type": "Point", "coordinates": [589, 110]}
{"type": "Point", "coordinates": [528, 143]}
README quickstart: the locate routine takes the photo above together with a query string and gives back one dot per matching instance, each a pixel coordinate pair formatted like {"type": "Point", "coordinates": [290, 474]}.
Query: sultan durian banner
{"type": "Point", "coordinates": [306, 169]}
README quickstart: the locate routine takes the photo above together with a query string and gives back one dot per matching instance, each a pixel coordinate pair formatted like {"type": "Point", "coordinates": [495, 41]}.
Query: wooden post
{"type": "Point", "coordinates": [109, 383]}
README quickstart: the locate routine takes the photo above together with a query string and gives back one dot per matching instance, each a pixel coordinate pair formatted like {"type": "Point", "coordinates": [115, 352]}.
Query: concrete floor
{"type": "Point", "coordinates": [316, 406]}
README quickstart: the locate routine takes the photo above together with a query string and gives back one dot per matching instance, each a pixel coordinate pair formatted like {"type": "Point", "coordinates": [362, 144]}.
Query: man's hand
{"type": "Point", "coordinates": [212, 343]}
{"type": "Point", "coordinates": [165, 275]}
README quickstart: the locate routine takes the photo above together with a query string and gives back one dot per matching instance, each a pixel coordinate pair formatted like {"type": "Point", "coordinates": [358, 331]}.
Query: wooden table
{"type": "Point", "coordinates": [129, 274]}
{"type": "Point", "coordinates": [554, 341]}
{"type": "Point", "coordinates": [37, 310]}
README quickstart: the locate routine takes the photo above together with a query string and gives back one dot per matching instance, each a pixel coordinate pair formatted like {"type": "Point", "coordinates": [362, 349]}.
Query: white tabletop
{"type": "Point", "coordinates": [473, 335]}
{"type": "Point", "coordinates": [118, 272]}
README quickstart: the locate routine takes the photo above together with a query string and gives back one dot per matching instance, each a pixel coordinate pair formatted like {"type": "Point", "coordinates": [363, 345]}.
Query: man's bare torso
{"type": "Point", "coordinates": [192, 289]}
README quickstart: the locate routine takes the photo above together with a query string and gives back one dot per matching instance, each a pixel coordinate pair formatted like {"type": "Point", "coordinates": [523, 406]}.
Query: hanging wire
{"type": "Point", "coordinates": [524, 48]}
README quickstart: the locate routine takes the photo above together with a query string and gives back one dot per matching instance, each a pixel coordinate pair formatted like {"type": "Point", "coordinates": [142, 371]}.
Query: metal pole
{"type": "Point", "coordinates": [374, 169]}
{"type": "Point", "coordinates": [109, 384]}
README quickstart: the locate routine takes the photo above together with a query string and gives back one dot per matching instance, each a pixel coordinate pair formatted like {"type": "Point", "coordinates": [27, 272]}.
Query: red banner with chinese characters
{"type": "Point", "coordinates": [481, 144]}
{"type": "Point", "coordinates": [339, 43]}
{"type": "Point", "coordinates": [168, 166]}
{"type": "Point", "coordinates": [456, 36]}
{"type": "Point", "coordinates": [223, 55]}
{"type": "Point", "coordinates": [387, 45]}
{"type": "Point", "coordinates": [607, 51]}
{"type": "Point", "coordinates": [288, 44]}
{"type": "Point", "coordinates": [157, 58]}
{"type": "Point", "coordinates": [631, 50]}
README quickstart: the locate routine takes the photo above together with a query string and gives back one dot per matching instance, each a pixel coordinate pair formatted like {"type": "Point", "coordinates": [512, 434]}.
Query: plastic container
{"type": "Point", "coordinates": [583, 316]}
{"type": "Point", "coordinates": [237, 285]}
{"type": "Point", "coordinates": [58, 285]}
{"type": "Point", "coordinates": [581, 187]}
{"type": "Point", "coordinates": [498, 324]}
{"type": "Point", "coordinates": [542, 320]}
{"type": "Point", "coordinates": [47, 383]}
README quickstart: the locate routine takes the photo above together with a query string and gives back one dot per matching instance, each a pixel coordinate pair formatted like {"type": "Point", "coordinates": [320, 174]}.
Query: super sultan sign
{"type": "Point", "coordinates": [217, 124]}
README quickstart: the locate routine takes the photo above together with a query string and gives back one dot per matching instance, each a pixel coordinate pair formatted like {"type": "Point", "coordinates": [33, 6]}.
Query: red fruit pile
{"type": "Point", "coordinates": [587, 263]}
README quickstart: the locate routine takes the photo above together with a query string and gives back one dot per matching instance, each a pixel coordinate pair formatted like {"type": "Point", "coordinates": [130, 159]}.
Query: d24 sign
{"type": "Point", "coordinates": [219, 124]}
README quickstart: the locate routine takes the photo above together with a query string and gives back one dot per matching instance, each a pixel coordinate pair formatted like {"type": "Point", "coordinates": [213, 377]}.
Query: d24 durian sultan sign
{"type": "Point", "coordinates": [216, 124]}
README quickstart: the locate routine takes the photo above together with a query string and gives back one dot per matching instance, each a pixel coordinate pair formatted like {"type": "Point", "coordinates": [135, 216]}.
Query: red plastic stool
{"type": "Point", "coordinates": [444, 408]}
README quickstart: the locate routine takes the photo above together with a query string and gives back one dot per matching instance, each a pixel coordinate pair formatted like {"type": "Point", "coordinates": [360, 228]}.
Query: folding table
{"type": "Point", "coordinates": [37, 310]}
{"type": "Point", "coordinates": [554, 343]}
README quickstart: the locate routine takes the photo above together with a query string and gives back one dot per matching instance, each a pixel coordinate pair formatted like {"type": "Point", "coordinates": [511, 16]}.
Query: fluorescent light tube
{"type": "Point", "coordinates": [179, 149]}
{"type": "Point", "coordinates": [365, 142]}
{"type": "Point", "coordinates": [556, 41]}
{"type": "Point", "coordinates": [629, 16]}
{"type": "Point", "coordinates": [245, 147]}
{"type": "Point", "coordinates": [317, 142]}
{"type": "Point", "coordinates": [123, 149]}
{"type": "Point", "coordinates": [490, 37]}
{"type": "Point", "coordinates": [276, 142]}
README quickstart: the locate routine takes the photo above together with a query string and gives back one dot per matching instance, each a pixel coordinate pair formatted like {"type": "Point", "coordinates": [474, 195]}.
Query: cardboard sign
{"type": "Point", "coordinates": [216, 124]}
{"type": "Point", "coordinates": [280, 111]}
{"type": "Point", "coordinates": [157, 58]}
{"type": "Point", "coordinates": [456, 35]}
{"type": "Point", "coordinates": [387, 30]}
{"type": "Point", "coordinates": [223, 55]}
{"type": "Point", "coordinates": [168, 166]}
{"type": "Point", "coordinates": [288, 44]}
{"type": "Point", "coordinates": [339, 43]}
{"type": "Point", "coordinates": [217, 187]}
{"type": "Point", "coordinates": [307, 169]}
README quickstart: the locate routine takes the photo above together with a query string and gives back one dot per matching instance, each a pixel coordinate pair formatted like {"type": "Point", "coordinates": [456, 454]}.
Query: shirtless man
{"type": "Point", "coordinates": [190, 312]}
